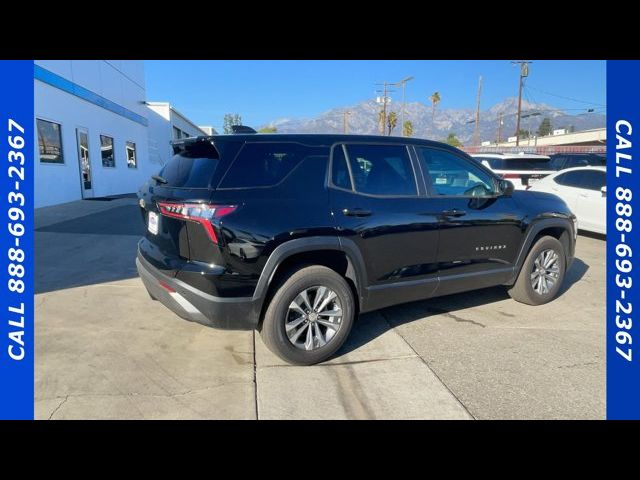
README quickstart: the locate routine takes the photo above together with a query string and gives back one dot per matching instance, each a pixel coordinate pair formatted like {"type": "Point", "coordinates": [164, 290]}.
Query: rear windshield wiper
{"type": "Point", "coordinates": [159, 179]}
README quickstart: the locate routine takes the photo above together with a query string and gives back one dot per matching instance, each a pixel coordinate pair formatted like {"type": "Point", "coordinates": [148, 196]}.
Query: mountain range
{"type": "Point", "coordinates": [364, 120]}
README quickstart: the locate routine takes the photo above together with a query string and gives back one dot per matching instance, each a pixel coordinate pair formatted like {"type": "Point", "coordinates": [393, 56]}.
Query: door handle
{"type": "Point", "coordinates": [453, 213]}
{"type": "Point", "coordinates": [356, 212]}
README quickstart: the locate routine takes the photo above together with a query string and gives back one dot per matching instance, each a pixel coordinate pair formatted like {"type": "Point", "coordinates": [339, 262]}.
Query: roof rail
{"type": "Point", "coordinates": [242, 129]}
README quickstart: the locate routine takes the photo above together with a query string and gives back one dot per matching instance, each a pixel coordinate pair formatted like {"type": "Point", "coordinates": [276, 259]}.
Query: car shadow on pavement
{"type": "Point", "coordinates": [96, 248]}
{"type": "Point", "coordinates": [369, 326]}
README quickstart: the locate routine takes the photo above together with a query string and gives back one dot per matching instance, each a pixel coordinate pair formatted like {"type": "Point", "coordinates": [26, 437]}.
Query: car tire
{"type": "Point", "coordinates": [538, 283]}
{"type": "Point", "coordinates": [290, 341]}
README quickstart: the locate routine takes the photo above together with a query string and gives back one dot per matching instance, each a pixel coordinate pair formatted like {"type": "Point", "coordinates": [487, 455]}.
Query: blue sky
{"type": "Point", "coordinates": [264, 90]}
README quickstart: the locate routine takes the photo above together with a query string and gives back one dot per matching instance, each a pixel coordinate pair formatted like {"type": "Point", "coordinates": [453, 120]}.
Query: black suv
{"type": "Point", "coordinates": [295, 235]}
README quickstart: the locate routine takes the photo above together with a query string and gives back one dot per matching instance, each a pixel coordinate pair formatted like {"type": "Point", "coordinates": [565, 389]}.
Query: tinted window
{"type": "Point", "coordinates": [191, 168]}
{"type": "Point", "coordinates": [452, 175]}
{"type": "Point", "coordinates": [569, 179]}
{"type": "Point", "coordinates": [265, 164]}
{"type": "Point", "coordinates": [106, 151]}
{"type": "Point", "coordinates": [524, 163]}
{"type": "Point", "coordinates": [340, 171]}
{"type": "Point", "coordinates": [593, 180]}
{"type": "Point", "coordinates": [589, 179]}
{"type": "Point", "coordinates": [562, 161]}
{"type": "Point", "coordinates": [381, 169]}
{"type": "Point", "coordinates": [49, 142]}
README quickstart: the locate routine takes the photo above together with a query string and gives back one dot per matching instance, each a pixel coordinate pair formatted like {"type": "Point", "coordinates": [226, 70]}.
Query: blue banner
{"type": "Point", "coordinates": [623, 248]}
{"type": "Point", "coordinates": [16, 240]}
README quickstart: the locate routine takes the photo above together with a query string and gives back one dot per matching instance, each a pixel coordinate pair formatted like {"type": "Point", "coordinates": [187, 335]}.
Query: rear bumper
{"type": "Point", "coordinates": [235, 313]}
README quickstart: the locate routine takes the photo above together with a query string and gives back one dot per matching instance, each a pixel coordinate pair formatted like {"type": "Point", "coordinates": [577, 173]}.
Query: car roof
{"type": "Point", "coordinates": [512, 156]}
{"type": "Point", "coordinates": [317, 139]}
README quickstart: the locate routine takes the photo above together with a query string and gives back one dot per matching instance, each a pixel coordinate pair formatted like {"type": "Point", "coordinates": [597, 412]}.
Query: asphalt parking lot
{"type": "Point", "coordinates": [105, 350]}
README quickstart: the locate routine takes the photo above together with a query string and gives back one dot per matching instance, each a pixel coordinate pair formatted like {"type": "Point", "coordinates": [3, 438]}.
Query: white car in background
{"type": "Point", "coordinates": [522, 169]}
{"type": "Point", "coordinates": [585, 192]}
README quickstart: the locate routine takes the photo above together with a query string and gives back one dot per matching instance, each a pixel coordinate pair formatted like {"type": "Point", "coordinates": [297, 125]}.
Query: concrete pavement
{"type": "Point", "coordinates": [105, 350]}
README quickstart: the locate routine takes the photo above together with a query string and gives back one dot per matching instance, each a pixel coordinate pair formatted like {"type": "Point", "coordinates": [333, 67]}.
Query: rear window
{"type": "Point", "coordinates": [560, 161]}
{"type": "Point", "coordinates": [191, 168]}
{"type": "Point", "coordinates": [519, 163]}
{"type": "Point", "coordinates": [266, 164]}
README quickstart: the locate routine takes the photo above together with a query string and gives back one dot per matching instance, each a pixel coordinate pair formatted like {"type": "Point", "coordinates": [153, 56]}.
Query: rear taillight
{"type": "Point", "coordinates": [507, 176]}
{"type": "Point", "coordinates": [201, 213]}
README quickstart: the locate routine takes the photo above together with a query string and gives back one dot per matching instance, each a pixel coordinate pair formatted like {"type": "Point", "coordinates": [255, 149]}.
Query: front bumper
{"type": "Point", "coordinates": [234, 313]}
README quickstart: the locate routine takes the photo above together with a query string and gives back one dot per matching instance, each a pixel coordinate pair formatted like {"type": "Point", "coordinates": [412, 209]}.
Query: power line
{"type": "Point", "coordinates": [564, 97]}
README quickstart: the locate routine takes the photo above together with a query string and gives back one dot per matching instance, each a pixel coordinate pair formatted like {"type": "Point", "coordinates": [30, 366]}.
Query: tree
{"type": "Point", "coordinates": [392, 122]}
{"type": "Point", "coordinates": [435, 100]}
{"type": "Point", "coordinates": [231, 119]}
{"type": "Point", "coordinates": [268, 129]}
{"type": "Point", "coordinates": [407, 129]}
{"type": "Point", "coordinates": [453, 140]}
{"type": "Point", "coordinates": [545, 127]}
{"type": "Point", "coordinates": [523, 134]}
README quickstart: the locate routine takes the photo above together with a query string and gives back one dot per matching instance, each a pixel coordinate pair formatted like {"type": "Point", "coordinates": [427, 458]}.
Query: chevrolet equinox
{"type": "Point", "coordinates": [295, 235]}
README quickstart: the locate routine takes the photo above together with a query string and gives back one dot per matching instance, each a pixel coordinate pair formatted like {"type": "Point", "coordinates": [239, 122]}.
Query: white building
{"type": "Point", "coordinates": [95, 133]}
{"type": "Point", "coordinates": [208, 129]}
{"type": "Point", "coordinates": [165, 125]}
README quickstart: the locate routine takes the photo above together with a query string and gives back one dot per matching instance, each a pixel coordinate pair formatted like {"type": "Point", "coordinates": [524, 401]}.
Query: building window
{"type": "Point", "coordinates": [177, 133]}
{"type": "Point", "coordinates": [107, 152]}
{"type": "Point", "coordinates": [132, 161]}
{"type": "Point", "coordinates": [50, 142]}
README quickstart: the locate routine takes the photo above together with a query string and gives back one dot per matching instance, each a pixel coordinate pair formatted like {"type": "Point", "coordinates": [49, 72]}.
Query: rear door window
{"type": "Point", "coordinates": [570, 179]}
{"type": "Point", "coordinates": [340, 172]}
{"type": "Point", "coordinates": [593, 179]}
{"type": "Point", "coordinates": [382, 170]}
{"type": "Point", "coordinates": [265, 164]}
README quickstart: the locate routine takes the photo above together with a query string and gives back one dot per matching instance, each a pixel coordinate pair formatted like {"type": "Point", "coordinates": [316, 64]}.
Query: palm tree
{"type": "Point", "coordinates": [407, 129]}
{"type": "Point", "coordinates": [392, 122]}
{"type": "Point", "coordinates": [435, 100]}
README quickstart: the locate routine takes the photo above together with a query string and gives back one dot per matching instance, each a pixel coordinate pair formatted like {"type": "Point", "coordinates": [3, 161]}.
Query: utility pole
{"type": "Point", "coordinates": [345, 121]}
{"type": "Point", "coordinates": [499, 128]}
{"type": "Point", "coordinates": [524, 72]}
{"type": "Point", "coordinates": [384, 100]}
{"type": "Point", "coordinates": [384, 109]}
{"type": "Point", "coordinates": [476, 130]}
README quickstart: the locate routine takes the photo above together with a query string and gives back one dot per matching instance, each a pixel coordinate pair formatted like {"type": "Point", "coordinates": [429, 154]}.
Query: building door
{"type": "Point", "coordinates": [84, 163]}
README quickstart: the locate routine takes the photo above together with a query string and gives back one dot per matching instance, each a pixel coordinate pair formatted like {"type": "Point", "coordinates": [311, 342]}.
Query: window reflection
{"type": "Point", "coordinates": [106, 151]}
{"type": "Point", "coordinates": [49, 142]}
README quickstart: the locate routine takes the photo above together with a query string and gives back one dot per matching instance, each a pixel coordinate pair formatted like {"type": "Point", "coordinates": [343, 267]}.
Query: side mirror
{"type": "Point", "coordinates": [604, 191]}
{"type": "Point", "coordinates": [505, 187]}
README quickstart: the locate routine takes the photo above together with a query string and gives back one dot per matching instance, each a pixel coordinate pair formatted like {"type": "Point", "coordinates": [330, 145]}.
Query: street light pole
{"type": "Point", "coordinates": [403, 82]}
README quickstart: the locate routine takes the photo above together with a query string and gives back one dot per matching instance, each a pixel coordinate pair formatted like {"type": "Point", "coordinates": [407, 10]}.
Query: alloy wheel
{"type": "Point", "coordinates": [313, 318]}
{"type": "Point", "coordinates": [545, 272]}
